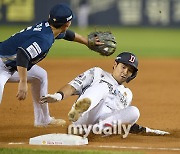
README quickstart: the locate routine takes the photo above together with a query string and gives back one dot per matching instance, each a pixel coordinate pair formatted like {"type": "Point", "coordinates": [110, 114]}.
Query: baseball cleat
{"type": "Point", "coordinates": [53, 122]}
{"type": "Point", "coordinates": [57, 122]}
{"type": "Point", "coordinates": [79, 107]}
{"type": "Point", "coordinates": [137, 129]}
{"type": "Point", "coordinates": [107, 125]}
{"type": "Point", "coordinates": [156, 132]}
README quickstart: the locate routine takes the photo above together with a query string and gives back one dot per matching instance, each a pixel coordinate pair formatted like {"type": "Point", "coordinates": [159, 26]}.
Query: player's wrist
{"type": "Point", "coordinates": [59, 95]}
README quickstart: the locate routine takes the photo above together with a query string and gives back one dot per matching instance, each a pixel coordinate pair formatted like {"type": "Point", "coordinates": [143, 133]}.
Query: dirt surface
{"type": "Point", "coordinates": [156, 94]}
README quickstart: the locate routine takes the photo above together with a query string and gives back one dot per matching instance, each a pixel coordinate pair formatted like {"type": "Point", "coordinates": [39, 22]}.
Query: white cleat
{"type": "Point", "coordinates": [57, 122]}
{"type": "Point", "coordinates": [79, 107]}
{"type": "Point", "coordinates": [156, 132]}
{"type": "Point", "coordinates": [54, 122]}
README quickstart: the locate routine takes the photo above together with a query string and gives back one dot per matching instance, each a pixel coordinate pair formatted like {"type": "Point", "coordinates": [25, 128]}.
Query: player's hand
{"type": "Point", "coordinates": [51, 98]}
{"type": "Point", "coordinates": [97, 41]}
{"type": "Point", "coordinates": [22, 91]}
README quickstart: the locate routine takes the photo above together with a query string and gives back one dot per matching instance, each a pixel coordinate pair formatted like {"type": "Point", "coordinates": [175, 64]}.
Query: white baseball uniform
{"type": "Point", "coordinates": [109, 100]}
{"type": "Point", "coordinates": [37, 77]}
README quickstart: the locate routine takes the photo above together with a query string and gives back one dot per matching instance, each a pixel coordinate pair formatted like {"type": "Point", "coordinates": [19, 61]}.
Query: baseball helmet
{"type": "Point", "coordinates": [60, 14]}
{"type": "Point", "coordinates": [130, 59]}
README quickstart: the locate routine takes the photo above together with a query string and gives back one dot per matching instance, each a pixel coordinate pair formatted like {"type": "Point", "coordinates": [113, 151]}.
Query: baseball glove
{"type": "Point", "coordinates": [109, 43]}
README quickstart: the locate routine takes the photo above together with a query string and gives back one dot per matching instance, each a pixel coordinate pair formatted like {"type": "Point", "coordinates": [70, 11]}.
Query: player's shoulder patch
{"type": "Point", "coordinates": [34, 49]}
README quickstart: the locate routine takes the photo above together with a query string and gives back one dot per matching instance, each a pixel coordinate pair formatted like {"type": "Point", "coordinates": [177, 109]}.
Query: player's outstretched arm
{"type": "Point", "coordinates": [72, 36]}
{"type": "Point", "coordinates": [84, 40]}
{"type": "Point", "coordinates": [81, 39]}
{"type": "Point", "coordinates": [62, 93]}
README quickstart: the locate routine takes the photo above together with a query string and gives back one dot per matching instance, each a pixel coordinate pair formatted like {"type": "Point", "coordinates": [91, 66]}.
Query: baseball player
{"type": "Point", "coordinates": [103, 97]}
{"type": "Point", "coordinates": [20, 53]}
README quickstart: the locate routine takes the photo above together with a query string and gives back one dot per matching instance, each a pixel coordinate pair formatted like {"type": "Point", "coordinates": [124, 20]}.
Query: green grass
{"type": "Point", "coordinates": [145, 42]}
{"type": "Point", "coordinates": [36, 151]}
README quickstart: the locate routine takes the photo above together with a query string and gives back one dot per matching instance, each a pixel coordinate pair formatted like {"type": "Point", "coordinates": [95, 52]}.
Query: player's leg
{"type": "Point", "coordinates": [128, 115]}
{"type": "Point", "coordinates": [87, 102]}
{"type": "Point", "coordinates": [37, 76]}
{"type": "Point", "coordinates": [39, 87]}
{"type": "Point", "coordinates": [94, 115]}
{"type": "Point", "coordinates": [39, 84]}
{"type": "Point", "coordinates": [4, 76]}
{"type": "Point", "coordinates": [78, 108]}
{"type": "Point", "coordinates": [106, 115]}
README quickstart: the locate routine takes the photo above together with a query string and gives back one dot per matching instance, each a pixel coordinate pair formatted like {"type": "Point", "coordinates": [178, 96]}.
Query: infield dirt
{"type": "Point", "coordinates": [155, 93]}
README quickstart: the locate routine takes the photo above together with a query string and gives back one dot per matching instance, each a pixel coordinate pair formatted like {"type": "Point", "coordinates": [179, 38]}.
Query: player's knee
{"type": "Point", "coordinates": [44, 75]}
{"type": "Point", "coordinates": [41, 75]}
{"type": "Point", "coordinates": [135, 113]}
{"type": "Point", "coordinates": [1, 93]}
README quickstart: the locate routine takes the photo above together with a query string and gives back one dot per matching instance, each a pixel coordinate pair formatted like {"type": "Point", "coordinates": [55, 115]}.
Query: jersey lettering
{"type": "Point", "coordinates": [28, 28]}
{"type": "Point", "coordinates": [110, 86]}
{"type": "Point", "coordinates": [38, 27]}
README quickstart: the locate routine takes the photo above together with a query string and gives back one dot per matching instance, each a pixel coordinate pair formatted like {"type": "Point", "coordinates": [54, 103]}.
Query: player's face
{"type": "Point", "coordinates": [121, 72]}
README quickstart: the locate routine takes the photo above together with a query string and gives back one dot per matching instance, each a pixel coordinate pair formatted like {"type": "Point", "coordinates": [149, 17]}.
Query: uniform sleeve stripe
{"type": "Point", "coordinates": [37, 47]}
{"type": "Point", "coordinates": [25, 53]}
{"type": "Point", "coordinates": [34, 50]}
{"type": "Point", "coordinates": [34, 47]}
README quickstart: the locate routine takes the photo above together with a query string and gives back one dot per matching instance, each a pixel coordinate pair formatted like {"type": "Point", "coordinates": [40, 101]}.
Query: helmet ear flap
{"type": "Point", "coordinates": [131, 77]}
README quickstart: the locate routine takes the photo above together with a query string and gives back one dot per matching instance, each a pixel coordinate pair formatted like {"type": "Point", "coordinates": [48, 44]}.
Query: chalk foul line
{"type": "Point", "coordinates": [137, 148]}
{"type": "Point", "coordinates": [121, 147]}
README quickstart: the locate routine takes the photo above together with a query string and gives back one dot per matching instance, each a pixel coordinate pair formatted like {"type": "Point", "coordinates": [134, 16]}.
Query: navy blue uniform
{"type": "Point", "coordinates": [28, 47]}
{"type": "Point", "coordinates": [34, 41]}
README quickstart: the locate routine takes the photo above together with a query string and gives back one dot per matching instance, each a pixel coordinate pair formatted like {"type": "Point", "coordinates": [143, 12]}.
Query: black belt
{"type": "Point", "coordinates": [10, 68]}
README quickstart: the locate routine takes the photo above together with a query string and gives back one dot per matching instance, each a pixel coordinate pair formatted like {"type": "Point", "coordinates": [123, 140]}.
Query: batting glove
{"type": "Point", "coordinates": [51, 98]}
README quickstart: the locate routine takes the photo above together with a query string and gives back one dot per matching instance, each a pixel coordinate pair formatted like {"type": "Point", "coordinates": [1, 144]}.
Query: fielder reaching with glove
{"type": "Point", "coordinates": [109, 43]}
{"type": "Point", "coordinates": [20, 53]}
{"type": "Point", "coordinates": [103, 97]}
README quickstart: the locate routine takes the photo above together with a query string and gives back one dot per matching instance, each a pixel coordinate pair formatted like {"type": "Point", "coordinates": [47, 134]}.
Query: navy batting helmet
{"type": "Point", "coordinates": [60, 14]}
{"type": "Point", "coordinates": [130, 59]}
